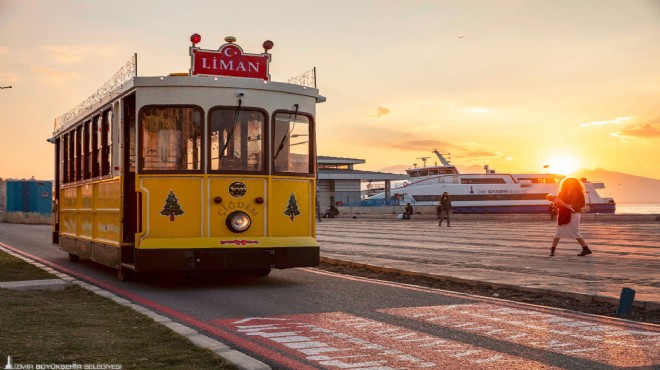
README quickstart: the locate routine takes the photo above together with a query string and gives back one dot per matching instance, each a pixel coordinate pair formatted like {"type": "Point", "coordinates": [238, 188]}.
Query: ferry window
{"type": "Point", "coordinates": [170, 139]}
{"type": "Point", "coordinates": [237, 140]}
{"type": "Point", "coordinates": [292, 145]}
{"type": "Point", "coordinates": [95, 159]}
{"type": "Point", "coordinates": [497, 180]}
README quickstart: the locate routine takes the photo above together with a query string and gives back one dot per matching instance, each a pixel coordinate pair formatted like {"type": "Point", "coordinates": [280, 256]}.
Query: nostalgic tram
{"type": "Point", "coordinates": [200, 172]}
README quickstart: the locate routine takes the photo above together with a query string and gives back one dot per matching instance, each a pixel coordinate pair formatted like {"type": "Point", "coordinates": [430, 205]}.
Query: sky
{"type": "Point", "coordinates": [515, 85]}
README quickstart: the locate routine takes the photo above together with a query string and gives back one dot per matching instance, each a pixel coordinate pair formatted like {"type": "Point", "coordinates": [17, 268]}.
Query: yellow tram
{"type": "Point", "coordinates": [209, 171]}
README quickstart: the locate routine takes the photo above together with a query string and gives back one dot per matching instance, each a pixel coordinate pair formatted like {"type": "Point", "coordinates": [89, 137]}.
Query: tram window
{"type": "Point", "coordinates": [237, 140]}
{"type": "Point", "coordinates": [78, 154]}
{"type": "Point", "coordinates": [105, 143]}
{"type": "Point", "coordinates": [170, 139]}
{"type": "Point", "coordinates": [106, 151]}
{"type": "Point", "coordinates": [65, 159]}
{"type": "Point", "coordinates": [292, 144]}
{"type": "Point", "coordinates": [131, 144]}
{"type": "Point", "coordinates": [86, 151]}
{"type": "Point", "coordinates": [72, 159]}
{"type": "Point", "coordinates": [94, 138]}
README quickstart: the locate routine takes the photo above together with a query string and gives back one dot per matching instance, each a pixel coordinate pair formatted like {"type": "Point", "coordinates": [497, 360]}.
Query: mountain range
{"type": "Point", "coordinates": [624, 188]}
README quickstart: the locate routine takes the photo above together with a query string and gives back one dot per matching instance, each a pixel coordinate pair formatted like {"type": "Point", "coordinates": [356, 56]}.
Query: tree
{"type": "Point", "coordinates": [172, 207]}
{"type": "Point", "coordinates": [292, 208]}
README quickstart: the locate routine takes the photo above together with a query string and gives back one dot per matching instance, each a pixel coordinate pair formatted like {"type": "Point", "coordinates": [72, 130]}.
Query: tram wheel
{"type": "Point", "coordinates": [124, 274]}
{"type": "Point", "coordinates": [73, 258]}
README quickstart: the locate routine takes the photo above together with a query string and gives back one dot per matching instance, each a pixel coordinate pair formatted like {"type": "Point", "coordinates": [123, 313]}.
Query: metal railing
{"type": "Point", "coordinates": [125, 73]}
{"type": "Point", "coordinates": [306, 79]}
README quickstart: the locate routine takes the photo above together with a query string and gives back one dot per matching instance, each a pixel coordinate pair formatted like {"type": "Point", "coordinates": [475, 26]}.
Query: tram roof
{"type": "Point", "coordinates": [225, 82]}
{"type": "Point", "coordinates": [189, 82]}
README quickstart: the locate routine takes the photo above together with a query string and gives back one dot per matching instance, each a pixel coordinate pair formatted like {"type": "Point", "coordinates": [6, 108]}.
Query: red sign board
{"type": "Point", "coordinates": [229, 60]}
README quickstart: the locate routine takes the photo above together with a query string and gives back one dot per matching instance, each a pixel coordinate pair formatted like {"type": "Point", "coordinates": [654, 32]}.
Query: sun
{"type": "Point", "coordinates": [563, 165]}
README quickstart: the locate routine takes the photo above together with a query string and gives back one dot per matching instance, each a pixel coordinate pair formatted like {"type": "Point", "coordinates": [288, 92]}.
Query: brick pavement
{"type": "Point", "coordinates": [507, 252]}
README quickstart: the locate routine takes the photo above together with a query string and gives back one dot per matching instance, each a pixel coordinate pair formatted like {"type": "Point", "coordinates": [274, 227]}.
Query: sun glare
{"type": "Point", "coordinates": [563, 165]}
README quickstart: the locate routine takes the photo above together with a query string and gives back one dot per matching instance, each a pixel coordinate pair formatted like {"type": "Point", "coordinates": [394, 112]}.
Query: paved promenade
{"type": "Point", "coordinates": [506, 251]}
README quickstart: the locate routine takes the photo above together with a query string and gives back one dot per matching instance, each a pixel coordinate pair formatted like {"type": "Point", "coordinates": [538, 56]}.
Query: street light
{"type": "Point", "coordinates": [5, 87]}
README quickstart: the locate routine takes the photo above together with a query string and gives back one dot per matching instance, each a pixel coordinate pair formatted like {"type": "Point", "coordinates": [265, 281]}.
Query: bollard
{"type": "Point", "coordinates": [625, 302]}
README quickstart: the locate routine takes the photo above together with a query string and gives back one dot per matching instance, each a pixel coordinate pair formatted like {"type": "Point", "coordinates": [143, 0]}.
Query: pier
{"type": "Point", "coordinates": [505, 251]}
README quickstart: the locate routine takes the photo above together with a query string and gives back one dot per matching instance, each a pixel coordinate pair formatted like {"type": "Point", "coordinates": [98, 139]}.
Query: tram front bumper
{"type": "Point", "coordinates": [240, 256]}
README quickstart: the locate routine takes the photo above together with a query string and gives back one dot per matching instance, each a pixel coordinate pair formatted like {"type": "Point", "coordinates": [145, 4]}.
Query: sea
{"type": "Point", "coordinates": [639, 209]}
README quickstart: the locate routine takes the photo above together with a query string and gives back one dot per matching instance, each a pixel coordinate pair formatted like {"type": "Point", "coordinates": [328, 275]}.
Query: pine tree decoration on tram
{"type": "Point", "coordinates": [292, 208]}
{"type": "Point", "coordinates": [172, 207]}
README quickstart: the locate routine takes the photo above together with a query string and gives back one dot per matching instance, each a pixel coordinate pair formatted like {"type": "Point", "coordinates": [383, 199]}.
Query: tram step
{"type": "Point", "coordinates": [130, 266]}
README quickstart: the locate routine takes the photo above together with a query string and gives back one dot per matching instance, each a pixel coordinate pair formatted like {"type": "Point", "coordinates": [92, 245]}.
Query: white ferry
{"type": "Point", "coordinates": [488, 192]}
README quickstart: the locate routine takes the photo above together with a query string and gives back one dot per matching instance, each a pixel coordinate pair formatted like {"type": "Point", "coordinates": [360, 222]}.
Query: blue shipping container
{"type": "Point", "coordinates": [29, 196]}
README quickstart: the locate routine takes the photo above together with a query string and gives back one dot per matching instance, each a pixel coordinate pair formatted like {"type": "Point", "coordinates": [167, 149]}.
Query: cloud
{"type": "Point", "coordinates": [65, 54]}
{"type": "Point", "coordinates": [444, 147]}
{"type": "Point", "coordinates": [615, 121]}
{"type": "Point", "coordinates": [479, 110]}
{"type": "Point", "coordinates": [647, 130]}
{"type": "Point", "coordinates": [380, 112]}
{"type": "Point", "coordinates": [8, 78]}
{"type": "Point", "coordinates": [622, 138]}
{"type": "Point", "coordinates": [4, 50]}
{"type": "Point", "coordinates": [54, 76]}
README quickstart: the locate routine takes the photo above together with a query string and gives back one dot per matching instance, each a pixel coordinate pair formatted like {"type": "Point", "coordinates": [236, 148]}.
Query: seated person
{"type": "Point", "coordinates": [331, 212]}
{"type": "Point", "coordinates": [408, 211]}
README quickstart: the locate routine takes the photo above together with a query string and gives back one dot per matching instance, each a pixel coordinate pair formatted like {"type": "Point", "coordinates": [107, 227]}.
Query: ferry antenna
{"type": "Point", "coordinates": [423, 160]}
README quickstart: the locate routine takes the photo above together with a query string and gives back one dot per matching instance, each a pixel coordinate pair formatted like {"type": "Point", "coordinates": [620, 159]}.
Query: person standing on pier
{"type": "Point", "coordinates": [570, 202]}
{"type": "Point", "coordinates": [444, 209]}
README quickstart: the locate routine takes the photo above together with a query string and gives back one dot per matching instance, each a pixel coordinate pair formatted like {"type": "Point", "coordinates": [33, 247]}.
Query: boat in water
{"type": "Point", "coordinates": [488, 192]}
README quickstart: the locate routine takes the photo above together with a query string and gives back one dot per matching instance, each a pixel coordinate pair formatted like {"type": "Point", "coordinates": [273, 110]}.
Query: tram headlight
{"type": "Point", "coordinates": [238, 221]}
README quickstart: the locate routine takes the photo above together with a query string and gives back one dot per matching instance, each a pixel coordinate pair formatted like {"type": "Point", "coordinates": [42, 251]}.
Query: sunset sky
{"type": "Point", "coordinates": [513, 84]}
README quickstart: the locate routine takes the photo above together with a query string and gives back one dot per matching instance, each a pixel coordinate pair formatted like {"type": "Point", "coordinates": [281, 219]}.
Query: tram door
{"type": "Point", "coordinates": [130, 207]}
{"type": "Point", "coordinates": [56, 193]}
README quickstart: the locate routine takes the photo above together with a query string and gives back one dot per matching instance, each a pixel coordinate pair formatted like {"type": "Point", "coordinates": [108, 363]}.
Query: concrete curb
{"type": "Point", "coordinates": [583, 297]}
{"type": "Point", "coordinates": [44, 284]}
{"type": "Point", "coordinates": [236, 358]}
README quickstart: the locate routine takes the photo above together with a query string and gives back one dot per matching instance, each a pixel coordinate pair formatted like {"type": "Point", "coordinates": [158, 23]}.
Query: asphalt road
{"type": "Point", "coordinates": [311, 319]}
